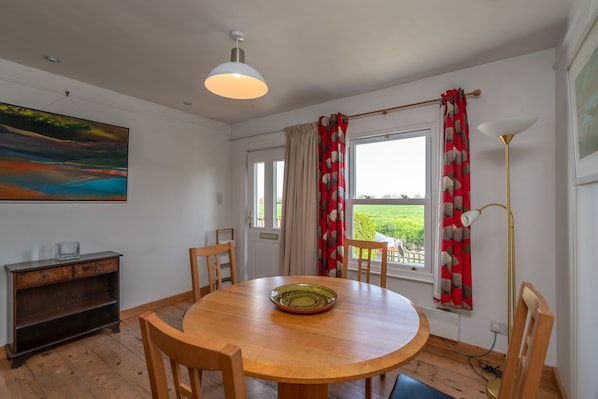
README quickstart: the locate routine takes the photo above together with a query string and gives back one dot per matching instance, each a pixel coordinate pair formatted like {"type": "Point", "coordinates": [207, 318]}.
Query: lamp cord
{"type": "Point", "coordinates": [472, 354]}
{"type": "Point", "coordinates": [483, 365]}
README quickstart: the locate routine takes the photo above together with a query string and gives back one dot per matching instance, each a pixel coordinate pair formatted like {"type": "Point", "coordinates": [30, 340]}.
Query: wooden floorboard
{"type": "Point", "coordinates": [107, 365]}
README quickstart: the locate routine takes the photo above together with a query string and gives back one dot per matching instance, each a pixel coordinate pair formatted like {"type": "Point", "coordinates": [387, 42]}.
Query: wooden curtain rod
{"type": "Point", "coordinates": [384, 111]}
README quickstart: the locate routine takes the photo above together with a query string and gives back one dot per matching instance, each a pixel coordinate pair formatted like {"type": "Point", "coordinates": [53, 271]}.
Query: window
{"type": "Point", "coordinates": [390, 197]}
{"type": "Point", "coordinates": [267, 180]}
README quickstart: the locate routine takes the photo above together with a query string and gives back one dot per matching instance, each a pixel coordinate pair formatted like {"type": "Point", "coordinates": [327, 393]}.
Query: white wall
{"type": "Point", "coordinates": [177, 165]}
{"type": "Point", "coordinates": [577, 274]}
{"type": "Point", "coordinates": [521, 85]}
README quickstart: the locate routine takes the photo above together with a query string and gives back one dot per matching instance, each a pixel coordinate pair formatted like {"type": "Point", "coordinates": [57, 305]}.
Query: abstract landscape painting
{"type": "Point", "coordinates": [51, 157]}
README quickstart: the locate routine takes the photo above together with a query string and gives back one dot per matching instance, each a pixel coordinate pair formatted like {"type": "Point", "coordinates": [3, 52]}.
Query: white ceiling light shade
{"type": "Point", "coordinates": [512, 125]}
{"type": "Point", "coordinates": [236, 79]}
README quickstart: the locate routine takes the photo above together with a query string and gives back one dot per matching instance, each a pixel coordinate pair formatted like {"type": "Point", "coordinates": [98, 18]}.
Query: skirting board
{"type": "Point", "coordinates": [136, 311]}
{"type": "Point", "coordinates": [442, 323]}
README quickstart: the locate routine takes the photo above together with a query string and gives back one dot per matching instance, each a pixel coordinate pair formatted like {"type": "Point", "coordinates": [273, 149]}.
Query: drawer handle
{"type": "Point", "coordinates": [98, 268]}
{"type": "Point", "coordinates": [44, 277]}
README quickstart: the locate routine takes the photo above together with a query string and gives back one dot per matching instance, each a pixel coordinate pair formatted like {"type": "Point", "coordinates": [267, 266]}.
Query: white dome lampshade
{"type": "Point", "coordinates": [236, 79]}
{"type": "Point", "coordinates": [512, 125]}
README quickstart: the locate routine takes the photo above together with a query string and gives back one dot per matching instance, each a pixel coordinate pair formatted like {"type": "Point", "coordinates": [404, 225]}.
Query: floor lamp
{"type": "Point", "coordinates": [505, 129]}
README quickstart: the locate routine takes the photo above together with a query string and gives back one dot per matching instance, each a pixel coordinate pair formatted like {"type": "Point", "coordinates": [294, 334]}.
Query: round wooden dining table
{"type": "Point", "coordinates": [369, 331]}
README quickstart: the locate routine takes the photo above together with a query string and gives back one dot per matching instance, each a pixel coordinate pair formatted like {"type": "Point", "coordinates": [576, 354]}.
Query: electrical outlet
{"type": "Point", "coordinates": [498, 327]}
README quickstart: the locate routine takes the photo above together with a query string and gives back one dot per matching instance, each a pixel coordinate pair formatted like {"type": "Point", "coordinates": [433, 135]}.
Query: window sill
{"type": "Point", "coordinates": [420, 277]}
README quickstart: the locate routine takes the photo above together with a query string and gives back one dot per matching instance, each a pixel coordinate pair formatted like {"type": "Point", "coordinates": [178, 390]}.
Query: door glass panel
{"type": "Point", "coordinates": [258, 211]}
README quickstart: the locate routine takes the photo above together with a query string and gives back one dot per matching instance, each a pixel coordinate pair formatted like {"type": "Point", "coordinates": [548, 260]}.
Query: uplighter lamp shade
{"type": "Point", "coordinates": [236, 80]}
{"type": "Point", "coordinates": [512, 125]}
{"type": "Point", "coordinates": [469, 217]}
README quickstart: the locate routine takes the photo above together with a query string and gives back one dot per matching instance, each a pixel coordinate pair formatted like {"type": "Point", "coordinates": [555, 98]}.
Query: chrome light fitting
{"type": "Point", "coordinates": [236, 79]}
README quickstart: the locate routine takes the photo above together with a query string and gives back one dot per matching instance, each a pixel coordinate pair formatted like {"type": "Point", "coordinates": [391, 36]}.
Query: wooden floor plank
{"type": "Point", "coordinates": [125, 363]}
{"type": "Point", "coordinates": [56, 377]}
{"type": "Point", "coordinates": [97, 372]}
{"type": "Point", "coordinates": [19, 382]}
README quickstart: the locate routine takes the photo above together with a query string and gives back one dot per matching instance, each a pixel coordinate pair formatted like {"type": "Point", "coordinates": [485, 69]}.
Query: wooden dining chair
{"type": "Point", "coordinates": [185, 351]}
{"type": "Point", "coordinates": [525, 358]}
{"type": "Point", "coordinates": [365, 250]}
{"type": "Point", "coordinates": [213, 255]}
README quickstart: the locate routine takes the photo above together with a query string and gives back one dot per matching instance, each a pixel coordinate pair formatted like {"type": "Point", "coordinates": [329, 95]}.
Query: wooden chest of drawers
{"type": "Point", "coordinates": [51, 301]}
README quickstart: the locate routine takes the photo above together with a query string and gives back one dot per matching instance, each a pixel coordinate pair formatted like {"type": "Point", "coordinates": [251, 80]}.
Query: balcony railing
{"type": "Point", "coordinates": [406, 257]}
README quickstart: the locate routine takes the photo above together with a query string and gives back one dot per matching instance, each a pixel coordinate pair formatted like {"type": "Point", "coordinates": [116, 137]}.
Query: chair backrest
{"type": "Point", "coordinates": [225, 235]}
{"type": "Point", "coordinates": [213, 255]}
{"type": "Point", "coordinates": [185, 351]}
{"type": "Point", "coordinates": [529, 343]}
{"type": "Point", "coordinates": [364, 258]}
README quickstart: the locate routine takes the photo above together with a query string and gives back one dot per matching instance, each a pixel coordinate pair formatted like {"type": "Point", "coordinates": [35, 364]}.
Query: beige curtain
{"type": "Point", "coordinates": [299, 230]}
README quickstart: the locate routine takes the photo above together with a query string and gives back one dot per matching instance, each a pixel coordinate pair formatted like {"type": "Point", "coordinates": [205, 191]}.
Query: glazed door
{"type": "Point", "coordinates": [265, 178]}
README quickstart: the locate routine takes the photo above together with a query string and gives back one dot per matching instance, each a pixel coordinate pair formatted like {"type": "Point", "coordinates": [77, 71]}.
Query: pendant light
{"type": "Point", "coordinates": [236, 79]}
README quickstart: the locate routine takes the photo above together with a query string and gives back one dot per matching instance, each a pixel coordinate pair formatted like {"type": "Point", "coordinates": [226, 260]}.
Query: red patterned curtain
{"type": "Point", "coordinates": [331, 193]}
{"type": "Point", "coordinates": [455, 256]}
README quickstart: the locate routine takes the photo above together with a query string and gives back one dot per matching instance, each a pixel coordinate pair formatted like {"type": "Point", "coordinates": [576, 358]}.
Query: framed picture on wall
{"type": "Point", "coordinates": [51, 157]}
{"type": "Point", "coordinates": [583, 93]}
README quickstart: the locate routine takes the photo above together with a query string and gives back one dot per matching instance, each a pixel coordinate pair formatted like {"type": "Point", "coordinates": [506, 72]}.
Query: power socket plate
{"type": "Point", "coordinates": [498, 327]}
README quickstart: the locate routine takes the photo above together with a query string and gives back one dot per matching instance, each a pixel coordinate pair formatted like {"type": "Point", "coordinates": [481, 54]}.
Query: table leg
{"type": "Point", "coordinates": [302, 391]}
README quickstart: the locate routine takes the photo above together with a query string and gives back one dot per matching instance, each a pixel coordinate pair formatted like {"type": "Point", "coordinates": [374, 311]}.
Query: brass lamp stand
{"type": "Point", "coordinates": [505, 129]}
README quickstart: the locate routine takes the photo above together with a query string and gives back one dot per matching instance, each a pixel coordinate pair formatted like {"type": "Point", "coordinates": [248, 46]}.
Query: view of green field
{"type": "Point", "coordinates": [405, 222]}
{"type": "Point", "coordinates": [387, 212]}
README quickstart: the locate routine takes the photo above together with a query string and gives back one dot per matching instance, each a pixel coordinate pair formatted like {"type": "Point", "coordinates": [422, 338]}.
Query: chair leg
{"type": "Point", "coordinates": [368, 388]}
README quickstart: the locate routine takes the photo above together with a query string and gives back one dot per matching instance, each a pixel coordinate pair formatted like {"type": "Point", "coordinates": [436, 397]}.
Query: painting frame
{"type": "Point", "coordinates": [49, 157]}
{"type": "Point", "coordinates": [583, 98]}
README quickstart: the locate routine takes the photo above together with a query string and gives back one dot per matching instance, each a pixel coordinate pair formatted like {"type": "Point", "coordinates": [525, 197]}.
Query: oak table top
{"type": "Point", "coordinates": [369, 331]}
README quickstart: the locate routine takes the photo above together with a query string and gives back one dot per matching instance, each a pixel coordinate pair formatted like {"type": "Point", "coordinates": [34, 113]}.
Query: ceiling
{"type": "Point", "coordinates": [309, 51]}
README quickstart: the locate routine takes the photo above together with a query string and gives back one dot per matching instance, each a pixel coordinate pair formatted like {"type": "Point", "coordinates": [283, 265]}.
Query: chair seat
{"type": "Point", "coordinates": [409, 388]}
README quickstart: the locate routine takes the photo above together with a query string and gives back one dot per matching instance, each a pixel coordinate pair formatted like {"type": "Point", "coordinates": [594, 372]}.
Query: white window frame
{"type": "Point", "coordinates": [415, 121]}
{"type": "Point", "coordinates": [270, 177]}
